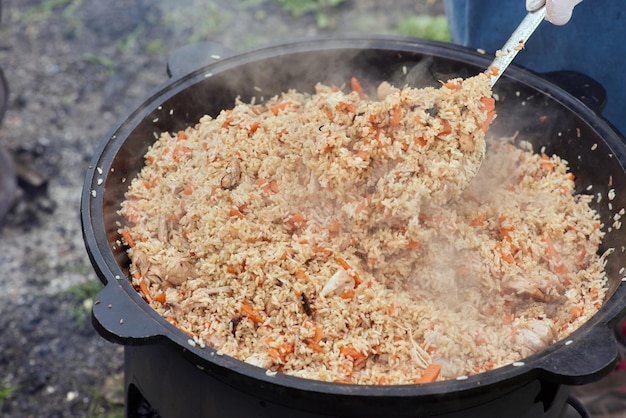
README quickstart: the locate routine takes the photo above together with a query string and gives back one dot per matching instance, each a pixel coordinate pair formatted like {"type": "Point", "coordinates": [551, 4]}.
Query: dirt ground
{"type": "Point", "coordinates": [74, 68]}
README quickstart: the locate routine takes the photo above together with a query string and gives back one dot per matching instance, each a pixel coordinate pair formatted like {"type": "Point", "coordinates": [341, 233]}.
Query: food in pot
{"type": "Point", "coordinates": [334, 237]}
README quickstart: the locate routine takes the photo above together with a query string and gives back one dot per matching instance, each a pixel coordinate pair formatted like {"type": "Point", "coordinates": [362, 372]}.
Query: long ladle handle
{"type": "Point", "coordinates": [515, 43]}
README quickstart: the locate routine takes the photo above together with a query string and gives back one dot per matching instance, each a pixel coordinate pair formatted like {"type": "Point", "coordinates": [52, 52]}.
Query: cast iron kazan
{"type": "Point", "coordinates": [183, 379]}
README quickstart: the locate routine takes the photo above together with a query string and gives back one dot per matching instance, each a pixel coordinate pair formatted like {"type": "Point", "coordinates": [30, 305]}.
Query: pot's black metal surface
{"type": "Point", "coordinates": [182, 379]}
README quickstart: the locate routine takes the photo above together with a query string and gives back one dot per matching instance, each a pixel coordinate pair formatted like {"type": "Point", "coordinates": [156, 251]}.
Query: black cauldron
{"type": "Point", "coordinates": [180, 379]}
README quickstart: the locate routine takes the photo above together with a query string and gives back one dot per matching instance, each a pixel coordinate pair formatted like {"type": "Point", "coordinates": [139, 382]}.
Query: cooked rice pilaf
{"type": "Point", "coordinates": [338, 238]}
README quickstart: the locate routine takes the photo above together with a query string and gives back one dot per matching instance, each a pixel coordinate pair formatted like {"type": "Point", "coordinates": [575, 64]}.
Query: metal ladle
{"type": "Point", "coordinates": [515, 43]}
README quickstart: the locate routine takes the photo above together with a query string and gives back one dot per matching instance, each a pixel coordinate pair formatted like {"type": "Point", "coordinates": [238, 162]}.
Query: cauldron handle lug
{"type": "Point", "coordinates": [123, 320]}
{"type": "Point", "coordinates": [582, 359]}
{"type": "Point", "coordinates": [193, 57]}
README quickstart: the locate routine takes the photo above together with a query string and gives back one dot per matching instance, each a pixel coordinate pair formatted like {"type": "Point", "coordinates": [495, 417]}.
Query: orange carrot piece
{"type": "Point", "coordinates": [362, 154]}
{"type": "Point", "coordinates": [355, 84]}
{"type": "Point", "coordinates": [352, 353]}
{"type": "Point", "coordinates": [488, 107]}
{"type": "Point", "coordinates": [276, 108]}
{"type": "Point", "coordinates": [396, 116]}
{"type": "Point", "coordinates": [127, 237]}
{"type": "Point", "coordinates": [506, 228]}
{"type": "Point", "coordinates": [508, 319]}
{"type": "Point", "coordinates": [181, 136]}
{"type": "Point", "coordinates": [281, 352]}
{"type": "Point", "coordinates": [248, 311]}
{"type": "Point", "coordinates": [314, 343]}
{"type": "Point", "coordinates": [297, 219]}
{"type": "Point", "coordinates": [145, 292]}
{"type": "Point", "coordinates": [505, 256]}
{"type": "Point", "coordinates": [446, 127]}
{"type": "Point", "coordinates": [553, 256]}
{"type": "Point", "coordinates": [452, 85]}
{"type": "Point", "coordinates": [253, 127]}
{"type": "Point", "coordinates": [414, 245]}
{"type": "Point", "coordinates": [343, 263]}
{"type": "Point", "coordinates": [334, 227]}
{"type": "Point", "coordinates": [234, 212]}
{"type": "Point", "coordinates": [345, 107]}
{"type": "Point", "coordinates": [274, 186]}
{"type": "Point", "coordinates": [546, 164]}
{"type": "Point", "coordinates": [431, 373]}
{"type": "Point", "coordinates": [159, 297]}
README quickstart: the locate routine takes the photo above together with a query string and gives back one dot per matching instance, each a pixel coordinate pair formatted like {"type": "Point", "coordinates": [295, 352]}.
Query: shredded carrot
{"type": "Point", "coordinates": [159, 297]}
{"type": "Point", "coordinates": [127, 237]}
{"type": "Point", "coordinates": [181, 136]}
{"type": "Point", "coordinates": [580, 257]}
{"type": "Point", "coordinates": [248, 311]}
{"type": "Point", "coordinates": [254, 126]}
{"type": "Point", "coordinates": [480, 340]}
{"type": "Point", "coordinates": [314, 343]}
{"type": "Point", "coordinates": [508, 319]}
{"type": "Point", "coordinates": [188, 190]}
{"type": "Point", "coordinates": [343, 263]}
{"type": "Point", "coordinates": [282, 351]}
{"type": "Point", "coordinates": [554, 258]}
{"type": "Point", "coordinates": [181, 151]}
{"type": "Point", "coordinates": [576, 312]}
{"type": "Point", "coordinates": [321, 250]}
{"type": "Point", "coordinates": [488, 310]}
{"type": "Point", "coordinates": [420, 141]}
{"type": "Point", "coordinates": [276, 108]}
{"type": "Point", "coordinates": [478, 220]}
{"type": "Point", "coordinates": [414, 245]}
{"type": "Point", "coordinates": [506, 228]}
{"type": "Point", "coordinates": [382, 380]}
{"type": "Point", "coordinates": [145, 292]}
{"type": "Point", "coordinates": [546, 164]}
{"type": "Point", "coordinates": [431, 373]}
{"type": "Point", "coordinates": [446, 127]}
{"type": "Point", "coordinates": [300, 274]}
{"type": "Point", "coordinates": [452, 85]}
{"type": "Point", "coordinates": [347, 294]}
{"type": "Point", "coordinates": [362, 154]}
{"type": "Point", "coordinates": [297, 220]}
{"type": "Point", "coordinates": [345, 107]}
{"type": "Point", "coordinates": [334, 227]}
{"type": "Point", "coordinates": [352, 353]}
{"type": "Point", "coordinates": [356, 86]}
{"type": "Point", "coordinates": [504, 255]}
{"type": "Point", "coordinates": [488, 107]}
{"type": "Point", "coordinates": [267, 186]}
{"type": "Point", "coordinates": [234, 212]}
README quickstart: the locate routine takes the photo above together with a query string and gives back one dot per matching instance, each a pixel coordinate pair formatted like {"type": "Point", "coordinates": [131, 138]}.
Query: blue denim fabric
{"type": "Point", "coordinates": [593, 42]}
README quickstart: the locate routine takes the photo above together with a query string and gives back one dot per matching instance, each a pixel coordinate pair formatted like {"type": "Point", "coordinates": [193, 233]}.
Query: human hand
{"type": "Point", "coordinates": [558, 12]}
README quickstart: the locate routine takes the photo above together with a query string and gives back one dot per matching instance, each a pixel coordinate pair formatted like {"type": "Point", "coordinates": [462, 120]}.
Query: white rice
{"type": "Point", "coordinates": [338, 238]}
